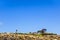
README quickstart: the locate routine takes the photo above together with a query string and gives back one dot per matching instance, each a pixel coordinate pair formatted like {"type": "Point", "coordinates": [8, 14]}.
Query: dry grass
{"type": "Point", "coordinates": [28, 37]}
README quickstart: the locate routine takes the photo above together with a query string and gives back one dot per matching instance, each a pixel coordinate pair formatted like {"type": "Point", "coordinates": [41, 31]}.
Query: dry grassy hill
{"type": "Point", "coordinates": [39, 35]}
{"type": "Point", "coordinates": [28, 37]}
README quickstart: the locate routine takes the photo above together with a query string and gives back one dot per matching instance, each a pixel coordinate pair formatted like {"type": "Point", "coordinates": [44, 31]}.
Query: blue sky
{"type": "Point", "coordinates": [29, 15]}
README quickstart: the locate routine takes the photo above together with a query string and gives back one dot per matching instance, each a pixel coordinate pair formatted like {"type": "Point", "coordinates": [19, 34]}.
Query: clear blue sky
{"type": "Point", "coordinates": [29, 15]}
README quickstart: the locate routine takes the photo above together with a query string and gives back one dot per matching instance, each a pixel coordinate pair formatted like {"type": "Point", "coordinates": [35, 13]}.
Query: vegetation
{"type": "Point", "coordinates": [42, 31]}
{"type": "Point", "coordinates": [39, 35]}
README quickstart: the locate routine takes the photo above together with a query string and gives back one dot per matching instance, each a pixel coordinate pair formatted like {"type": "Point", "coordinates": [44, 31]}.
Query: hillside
{"type": "Point", "coordinates": [28, 37]}
{"type": "Point", "coordinates": [39, 35]}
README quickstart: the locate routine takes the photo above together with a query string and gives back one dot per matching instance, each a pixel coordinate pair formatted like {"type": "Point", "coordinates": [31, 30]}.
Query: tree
{"type": "Point", "coordinates": [42, 31]}
{"type": "Point", "coordinates": [16, 31]}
